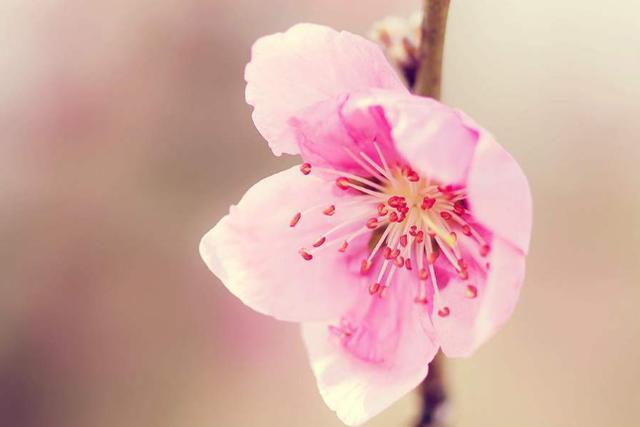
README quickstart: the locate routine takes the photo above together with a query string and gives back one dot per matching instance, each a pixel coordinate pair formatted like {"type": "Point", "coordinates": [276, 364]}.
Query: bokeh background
{"type": "Point", "coordinates": [125, 136]}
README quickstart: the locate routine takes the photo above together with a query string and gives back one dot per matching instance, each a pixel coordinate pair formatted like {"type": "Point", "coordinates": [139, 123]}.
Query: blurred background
{"type": "Point", "coordinates": [125, 137]}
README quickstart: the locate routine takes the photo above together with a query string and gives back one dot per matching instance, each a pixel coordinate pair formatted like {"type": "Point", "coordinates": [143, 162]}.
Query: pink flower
{"type": "Point", "coordinates": [403, 232]}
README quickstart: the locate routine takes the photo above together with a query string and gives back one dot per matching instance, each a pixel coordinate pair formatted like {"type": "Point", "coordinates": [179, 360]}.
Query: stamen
{"type": "Point", "coordinates": [305, 168]}
{"type": "Point", "coordinates": [295, 219]}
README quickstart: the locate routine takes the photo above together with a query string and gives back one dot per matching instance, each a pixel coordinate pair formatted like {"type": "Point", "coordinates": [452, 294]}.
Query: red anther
{"type": "Point", "coordinates": [413, 176]}
{"type": "Point", "coordinates": [305, 168]}
{"type": "Point", "coordinates": [395, 253]}
{"type": "Point", "coordinates": [407, 264]}
{"type": "Point", "coordinates": [484, 250]}
{"type": "Point", "coordinates": [382, 209]}
{"type": "Point", "coordinates": [458, 208]}
{"type": "Point", "coordinates": [423, 274]}
{"type": "Point", "coordinates": [463, 274]}
{"type": "Point", "coordinates": [466, 230]}
{"type": "Point", "coordinates": [403, 240]}
{"type": "Point", "coordinates": [403, 209]}
{"type": "Point", "coordinates": [433, 256]}
{"type": "Point", "coordinates": [330, 210]}
{"type": "Point", "coordinates": [343, 247]}
{"type": "Point", "coordinates": [413, 230]}
{"type": "Point", "coordinates": [421, 300]}
{"type": "Point", "coordinates": [402, 217]}
{"type": "Point", "coordinates": [472, 292]}
{"type": "Point", "coordinates": [463, 263]}
{"type": "Point", "coordinates": [295, 219]}
{"type": "Point", "coordinates": [365, 265]}
{"type": "Point", "coordinates": [444, 312]}
{"type": "Point", "coordinates": [386, 252]}
{"type": "Point", "coordinates": [306, 255]}
{"type": "Point", "coordinates": [319, 242]}
{"type": "Point", "coordinates": [374, 288]}
{"type": "Point", "coordinates": [393, 217]}
{"type": "Point", "coordinates": [454, 236]}
{"type": "Point", "coordinates": [445, 215]}
{"type": "Point", "coordinates": [342, 183]}
{"type": "Point", "coordinates": [427, 203]}
{"type": "Point", "coordinates": [396, 201]}
{"type": "Point", "coordinates": [372, 223]}
{"type": "Point", "coordinates": [420, 237]}
{"type": "Point", "coordinates": [399, 262]}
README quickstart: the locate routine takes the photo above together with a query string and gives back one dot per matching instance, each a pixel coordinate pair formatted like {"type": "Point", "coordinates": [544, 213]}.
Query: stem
{"type": "Point", "coordinates": [428, 83]}
{"type": "Point", "coordinates": [434, 24]}
{"type": "Point", "coordinates": [432, 392]}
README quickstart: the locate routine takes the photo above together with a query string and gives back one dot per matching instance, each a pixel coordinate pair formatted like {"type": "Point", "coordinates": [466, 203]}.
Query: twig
{"type": "Point", "coordinates": [434, 24]}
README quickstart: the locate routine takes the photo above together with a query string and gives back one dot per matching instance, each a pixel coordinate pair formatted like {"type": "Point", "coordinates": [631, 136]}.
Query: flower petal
{"type": "Point", "coordinates": [386, 356]}
{"type": "Point", "coordinates": [254, 250]}
{"type": "Point", "coordinates": [433, 138]}
{"type": "Point", "coordinates": [499, 193]}
{"type": "Point", "coordinates": [307, 64]}
{"type": "Point", "coordinates": [478, 307]}
{"type": "Point", "coordinates": [329, 135]}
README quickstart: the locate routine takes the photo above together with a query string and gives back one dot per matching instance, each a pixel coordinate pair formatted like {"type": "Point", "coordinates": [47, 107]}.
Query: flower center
{"type": "Point", "coordinates": [414, 223]}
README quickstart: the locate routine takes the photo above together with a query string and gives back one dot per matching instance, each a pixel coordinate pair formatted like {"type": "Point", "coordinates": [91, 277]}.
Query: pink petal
{"type": "Point", "coordinates": [479, 306]}
{"type": "Point", "coordinates": [385, 358]}
{"type": "Point", "coordinates": [499, 193]}
{"type": "Point", "coordinates": [305, 65]}
{"type": "Point", "coordinates": [433, 138]}
{"type": "Point", "coordinates": [254, 250]}
{"type": "Point", "coordinates": [330, 135]}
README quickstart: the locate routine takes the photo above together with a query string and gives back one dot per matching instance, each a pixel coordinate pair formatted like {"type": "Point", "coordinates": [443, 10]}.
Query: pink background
{"type": "Point", "coordinates": [125, 136]}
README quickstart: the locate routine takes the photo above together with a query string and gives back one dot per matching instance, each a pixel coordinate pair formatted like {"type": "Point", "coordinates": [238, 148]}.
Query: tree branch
{"type": "Point", "coordinates": [434, 24]}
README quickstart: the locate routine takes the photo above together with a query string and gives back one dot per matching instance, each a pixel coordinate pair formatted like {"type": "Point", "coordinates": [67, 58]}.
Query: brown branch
{"type": "Point", "coordinates": [434, 23]}
{"type": "Point", "coordinates": [432, 393]}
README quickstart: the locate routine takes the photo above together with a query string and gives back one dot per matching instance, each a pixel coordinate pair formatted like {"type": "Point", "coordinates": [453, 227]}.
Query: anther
{"type": "Point", "coordinates": [374, 288]}
{"type": "Point", "coordinates": [319, 242]}
{"type": "Point", "coordinates": [403, 240]}
{"type": "Point", "coordinates": [407, 264]}
{"type": "Point", "coordinates": [427, 203]}
{"type": "Point", "coordinates": [372, 223]}
{"type": "Point", "coordinates": [421, 300]}
{"type": "Point", "coordinates": [420, 237]}
{"type": "Point", "coordinates": [463, 274]}
{"type": "Point", "coordinates": [306, 255]}
{"type": "Point", "coordinates": [413, 230]}
{"type": "Point", "coordinates": [445, 215]}
{"type": "Point", "coordinates": [444, 312]}
{"type": "Point", "coordinates": [413, 176]}
{"type": "Point", "coordinates": [458, 208]}
{"type": "Point", "coordinates": [305, 168]}
{"type": "Point", "coordinates": [386, 252]}
{"type": "Point", "coordinates": [395, 253]}
{"type": "Point", "coordinates": [330, 210]}
{"type": "Point", "coordinates": [382, 209]}
{"type": "Point", "coordinates": [295, 219]}
{"type": "Point", "coordinates": [399, 261]}
{"type": "Point", "coordinates": [342, 183]}
{"type": "Point", "coordinates": [423, 274]}
{"type": "Point", "coordinates": [472, 292]}
{"type": "Point", "coordinates": [393, 217]}
{"type": "Point", "coordinates": [365, 266]}
{"type": "Point", "coordinates": [466, 230]}
{"type": "Point", "coordinates": [454, 236]}
{"type": "Point", "coordinates": [343, 247]}
{"type": "Point", "coordinates": [484, 250]}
